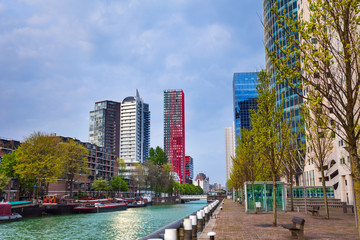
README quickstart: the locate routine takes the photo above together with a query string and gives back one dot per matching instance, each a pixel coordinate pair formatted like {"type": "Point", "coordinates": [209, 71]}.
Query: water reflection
{"type": "Point", "coordinates": [130, 224]}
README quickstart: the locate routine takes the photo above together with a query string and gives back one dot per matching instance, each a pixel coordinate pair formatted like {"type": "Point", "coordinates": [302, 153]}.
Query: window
{"type": "Point", "coordinates": [342, 160]}
{"type": "Point", "coordinates": [341, 143]}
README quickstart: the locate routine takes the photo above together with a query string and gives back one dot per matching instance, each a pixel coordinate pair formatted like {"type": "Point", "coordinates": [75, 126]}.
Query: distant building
{"type": "Point", "coordinates": [245, 98]}
{"type": "Point", "coordinates": [174, 131]}
{"type": "Point", "coordinates": [189, 169]}
{"type": "Point", "coordinates": [229, 149]}
{"type": "Point", "coordinates": [11, 192]}
{"type": "Point", "coordinates": [202, 181]}
{"type": "Point", "coordinates": [104, 128]}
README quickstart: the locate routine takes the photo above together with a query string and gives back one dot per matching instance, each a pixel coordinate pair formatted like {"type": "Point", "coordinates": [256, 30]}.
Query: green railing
{"type": "Point", "coordinates": [311, 192]}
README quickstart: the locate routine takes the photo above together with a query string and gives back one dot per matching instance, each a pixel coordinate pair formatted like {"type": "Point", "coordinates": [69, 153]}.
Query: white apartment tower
{"type": "Point", "coordinates": [229, 149]}
{"type": "Point", "coordinates": [134, 130]}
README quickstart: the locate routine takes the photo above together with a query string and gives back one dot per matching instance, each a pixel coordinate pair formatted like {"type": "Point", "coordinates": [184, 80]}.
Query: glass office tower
{"type": "Point", "coordinates": [105, 125]}
{"type": "Point", "coordinates": [290, 97]}
{"type": "Point", "coordinates": [245, 99]}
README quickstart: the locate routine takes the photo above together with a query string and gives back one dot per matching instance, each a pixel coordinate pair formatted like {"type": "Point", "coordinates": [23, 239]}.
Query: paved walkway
{"type": "Point", "coordinates": [233, 223]}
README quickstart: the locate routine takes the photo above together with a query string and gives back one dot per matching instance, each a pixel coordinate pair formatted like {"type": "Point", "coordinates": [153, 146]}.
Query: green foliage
{"type": "Point", "coordinates": [117, 184]}
{"type": "Point", "coordinates": [122, 167]}
{"type": "Point", "coordinates": [100, 185]}
{"type": "Point", "coordinates": [271, 134]}
{"type": "Point", "coordinates": [8, 163]}
{"type": "Point", "coordinates": [38, 159]}
{"type": "Point", "coordinates": [74, 159]}
{"type": "Point", "coordinates": [4, 181]}
{"type": "Point", "coordinates": [159, 178]}
{"type": "Point", "coordinates": [190, 189]}
{"type": "Point", "coordinates": [157, 156]}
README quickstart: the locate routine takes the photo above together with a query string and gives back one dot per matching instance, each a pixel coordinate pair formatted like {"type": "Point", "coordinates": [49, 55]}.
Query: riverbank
{"type": "Point", "coordinates": [233, 223]}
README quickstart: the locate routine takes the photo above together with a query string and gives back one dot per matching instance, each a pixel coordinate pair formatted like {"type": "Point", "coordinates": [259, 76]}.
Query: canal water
{"type": "Point", "coordinates": [132, 223]}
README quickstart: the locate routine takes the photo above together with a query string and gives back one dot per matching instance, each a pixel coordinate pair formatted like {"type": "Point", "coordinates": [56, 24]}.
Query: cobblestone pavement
{"type": "Point", "coordinates": [233, 223]}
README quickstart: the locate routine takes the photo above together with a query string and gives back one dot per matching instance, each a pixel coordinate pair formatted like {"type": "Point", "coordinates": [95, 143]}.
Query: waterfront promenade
{"type": "Point", "coordinates": [233, 223]}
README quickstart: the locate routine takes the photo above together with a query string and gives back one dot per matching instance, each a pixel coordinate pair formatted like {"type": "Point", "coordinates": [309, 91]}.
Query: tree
{"type": "Point", "coordinates": [138, 177]}
{"type": "Point", "coordinates": [329, 47]}
{"type": "Point", "coordinates": [117, 184]}
{"type": "Point", "coordinates": [122, 167]}
{"type": "Point", "coordinates": [38, 159]}
{"type": "Point", "coordinates": [157, 156]}
{"type": "Point", "coordinates": [75, 162]}
{"type": "Point", "coordinates": [8, 163]}
{"type": "Point", "coordinates": [247, 159]}
{"type": "Point", "coordinates": [320, 138]}
{"type": "Point", "coordinates": [4, 181]}
{"type": "Point", "coordinates": [271, 133]}
{"type": "Point", "coordinates": [100, 185]}
{"type": "Point", "coordinates": [157, 177]}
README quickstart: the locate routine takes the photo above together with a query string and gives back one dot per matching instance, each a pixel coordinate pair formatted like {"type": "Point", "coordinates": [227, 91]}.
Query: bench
{"type": "Point", "coordinates": [296, 231]}
{"type": "Point", "coordinates": [315, 210]}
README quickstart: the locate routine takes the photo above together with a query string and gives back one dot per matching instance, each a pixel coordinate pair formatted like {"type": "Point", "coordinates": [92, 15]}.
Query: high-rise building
{"type": "Point", "coordinates": [134, 130]}
{"type": "Point", "coordinates": [174, 131]}
{"type": "Point", "coordinates": [189, 169]}
{"type": "Point", "coordinates": [229, 149]}
{"type": "Point", "coordinates": [275, 38]}
{"type": "Point", "coordinates": [105, 126]}
{"type": "Point", "coordinates": [245, 98]}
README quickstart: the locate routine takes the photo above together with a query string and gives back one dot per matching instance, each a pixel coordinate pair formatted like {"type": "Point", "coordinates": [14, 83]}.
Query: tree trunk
{"type": "Point", "coordinates": [71, 188]}
{"type": "Point", "coordinates": [34, 191]}
{"type": "Point", "coordinates": [47, 188]}
{"type": "Point", "coordinates": [324, 192]}
{"type": "Point", "coordinates": [355, 170]}
{"type": "Point", "coordinates": [274, 202]}
{"type": "Point", "coordinates": [291, 195]}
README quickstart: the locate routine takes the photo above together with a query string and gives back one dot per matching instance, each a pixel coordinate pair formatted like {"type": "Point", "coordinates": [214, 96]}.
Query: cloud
{"type": "Point", "coordinates": [57, 58]}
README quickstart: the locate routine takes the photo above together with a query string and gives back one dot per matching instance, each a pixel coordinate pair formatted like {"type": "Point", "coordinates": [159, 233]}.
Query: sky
{"type": "Point", "coordinates": [58, 57]}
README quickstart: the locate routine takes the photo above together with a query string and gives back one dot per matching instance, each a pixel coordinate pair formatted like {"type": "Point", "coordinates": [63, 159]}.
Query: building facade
{"type": "Point", "coordinates": [189, 169]}
{"type": "Point", "coordinates": [244, 99]}
{"type": "Point", "coordinates": [101, 164]}
{"type": "Point", "coordinates": [337, 165]}
{"type": "Point", "coordinates": [202, 181]}
{"type": "Point", "coordinates": [174, 131]}
{"type": "Point", "coordinates": [104, 128]}
{"type": "Point", "coordinates": [229, 149]}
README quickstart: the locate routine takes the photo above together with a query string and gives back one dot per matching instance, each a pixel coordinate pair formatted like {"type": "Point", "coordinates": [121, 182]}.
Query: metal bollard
{"type": "Point", "coordinates": [194, 226]}
{"type": "Point", "coordinates": [344, 207]}
{"type": "Point", "coordinates": [212, 235]}
{"type": "Point", "coordinates": [187, 229]}
{"type": "Point", "coordinates": [170, 234]}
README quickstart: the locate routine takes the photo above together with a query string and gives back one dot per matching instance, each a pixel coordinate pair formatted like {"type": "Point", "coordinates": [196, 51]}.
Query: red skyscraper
{"type": "Point", "coordinates": [174, 131]}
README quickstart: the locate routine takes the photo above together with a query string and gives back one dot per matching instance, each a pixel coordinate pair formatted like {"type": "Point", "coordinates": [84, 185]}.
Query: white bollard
{"type": "Point", "coordinates": [194, 226]}
{"type": "Point", "coordinates": [187, 229]}
{"type": "Point", "coordinates": [170, 234]}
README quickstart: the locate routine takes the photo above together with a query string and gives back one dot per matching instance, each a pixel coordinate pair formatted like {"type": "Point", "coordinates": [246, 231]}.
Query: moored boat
{"type": "Point", "coordinates": [99, 207]}
{"type": "Point", "coordinates": [6, 214]}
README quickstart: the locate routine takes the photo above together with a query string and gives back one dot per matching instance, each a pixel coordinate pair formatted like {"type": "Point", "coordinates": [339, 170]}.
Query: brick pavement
{"type": "Point", "coordinates": [233, 223]}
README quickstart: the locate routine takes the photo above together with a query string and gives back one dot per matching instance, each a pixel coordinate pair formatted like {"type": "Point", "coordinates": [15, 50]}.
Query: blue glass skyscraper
{"type": "Point", "coordinates": [245, 98]}
{"type": "Point", "coordinates": [275, 40]}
